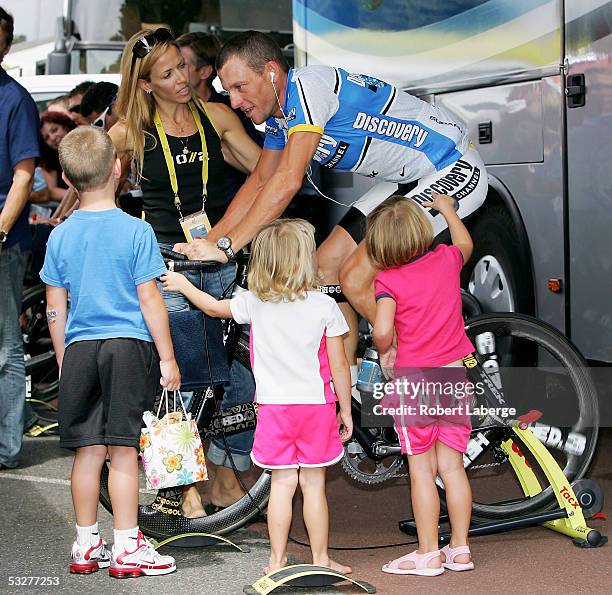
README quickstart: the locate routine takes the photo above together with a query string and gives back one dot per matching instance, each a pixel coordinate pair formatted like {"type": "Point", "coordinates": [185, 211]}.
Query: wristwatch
{"type": "Point", "coordinates": [225, 245]}
{"type": "Point", "coordinates": [3, 236]}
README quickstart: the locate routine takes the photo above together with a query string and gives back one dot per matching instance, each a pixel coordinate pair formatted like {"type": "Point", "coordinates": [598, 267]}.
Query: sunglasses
{"type": "Point", "coordinates": [146, 43]}
{"type": "Point", "coordinates": [100, 121]}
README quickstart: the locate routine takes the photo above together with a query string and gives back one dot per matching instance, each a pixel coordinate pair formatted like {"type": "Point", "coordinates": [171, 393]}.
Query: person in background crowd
{"type": "Point", "coordinates": [19, 150]}
{"type": "Point", "coordinates": [200, 52]}
{"type": "Point", "coordinates": [54, 126]}
{"type": "Point", "coordinates": [74, 102]}
{"type": "Point", "coordinates": [59, 104]}
{"type": "Point", "coordinates": [97, 105]}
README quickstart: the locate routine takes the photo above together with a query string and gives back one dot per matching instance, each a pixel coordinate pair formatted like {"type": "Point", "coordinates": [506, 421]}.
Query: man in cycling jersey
{"type": "Point", "coordinates": [344, 121]}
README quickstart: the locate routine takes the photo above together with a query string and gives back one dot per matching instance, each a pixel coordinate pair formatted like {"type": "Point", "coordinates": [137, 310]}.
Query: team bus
{"type": "Point", "coordinates": [532, 79]}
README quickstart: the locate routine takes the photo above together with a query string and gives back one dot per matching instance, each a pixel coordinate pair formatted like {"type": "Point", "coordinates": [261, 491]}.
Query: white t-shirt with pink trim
{"type": "Point", "coordinates": [288, 348]}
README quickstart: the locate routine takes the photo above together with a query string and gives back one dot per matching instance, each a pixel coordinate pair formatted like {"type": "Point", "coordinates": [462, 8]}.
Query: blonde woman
{"type": "Point", "coordinates": [296, 350]}
{"type": "Point", "coordinates": [177, 145]}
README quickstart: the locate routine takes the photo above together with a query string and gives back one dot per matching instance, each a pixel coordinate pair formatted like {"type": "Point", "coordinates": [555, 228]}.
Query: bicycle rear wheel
{"type": "Point", "coordinates": [159, 511]}
{"type": "Point", "coordinates": [540, 362]}
{"type": "Point", "coordinates": [159, 514]}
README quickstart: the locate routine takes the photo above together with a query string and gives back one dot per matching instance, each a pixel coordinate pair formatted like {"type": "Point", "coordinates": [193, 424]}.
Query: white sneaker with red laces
{"type": "Point", "coordinates": [144, 560]}
{"type": "Point", "coordinates": [88, 558]}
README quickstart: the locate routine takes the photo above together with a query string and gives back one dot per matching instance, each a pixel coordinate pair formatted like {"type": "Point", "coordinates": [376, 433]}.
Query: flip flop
{"type": "Point", "coordinates": [451, 552]}
{"type": "Point", "coordinates": [420, 564]}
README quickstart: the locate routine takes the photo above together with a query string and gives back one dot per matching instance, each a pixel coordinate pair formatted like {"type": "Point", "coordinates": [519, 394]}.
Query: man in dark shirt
{"type": "Point", "coordinates": [200, 52]}
{"type": "Point", "coordinates": [18, 154]}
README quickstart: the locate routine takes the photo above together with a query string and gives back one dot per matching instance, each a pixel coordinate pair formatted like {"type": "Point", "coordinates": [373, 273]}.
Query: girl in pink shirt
{"type": "Point", "coordinates": [418, 299]}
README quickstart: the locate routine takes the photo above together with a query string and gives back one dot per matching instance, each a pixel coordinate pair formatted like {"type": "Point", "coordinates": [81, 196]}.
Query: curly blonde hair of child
{"type": "Point", "coordinates": [282, 263]}
{"type": "Point", "coordinates": [396, 231]}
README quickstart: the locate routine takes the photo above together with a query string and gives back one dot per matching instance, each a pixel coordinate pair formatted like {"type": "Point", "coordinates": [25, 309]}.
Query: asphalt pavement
{"type": "Point", "coordinates": [37, 530]}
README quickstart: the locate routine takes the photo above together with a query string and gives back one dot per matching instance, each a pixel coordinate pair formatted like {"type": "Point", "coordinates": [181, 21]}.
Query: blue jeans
{"type": "Point", "coordinates": [14, 411]}
{"type": "Point", "coordinates": [241, 386]}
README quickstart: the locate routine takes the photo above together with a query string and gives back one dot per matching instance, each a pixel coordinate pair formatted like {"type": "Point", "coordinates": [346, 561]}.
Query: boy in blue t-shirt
{"type": "Point", "coordinates": [107, 262]}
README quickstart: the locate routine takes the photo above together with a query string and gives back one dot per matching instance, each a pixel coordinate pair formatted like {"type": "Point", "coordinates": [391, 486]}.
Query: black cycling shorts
{"type": "Point", "coordinates": [105, 387]}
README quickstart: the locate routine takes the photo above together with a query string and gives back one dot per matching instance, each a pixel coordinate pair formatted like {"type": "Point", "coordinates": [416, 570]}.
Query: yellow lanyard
{"type": "Point", "coordinates": [170, 162]}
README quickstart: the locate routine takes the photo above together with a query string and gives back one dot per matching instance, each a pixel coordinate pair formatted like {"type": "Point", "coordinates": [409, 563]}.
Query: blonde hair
{"type": "Point", "coordinates": [396, 231]}
{"type": "Point", "coordinates": [87, 156]}
{"type": "Point", "coordinates": [282, 261]}
{"type": "Point", "coordinates": [134, 106]}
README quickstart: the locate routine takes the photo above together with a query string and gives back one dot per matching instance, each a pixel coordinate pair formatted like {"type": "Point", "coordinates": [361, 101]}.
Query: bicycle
{"type": "Point", "coordinates": [373, 455]}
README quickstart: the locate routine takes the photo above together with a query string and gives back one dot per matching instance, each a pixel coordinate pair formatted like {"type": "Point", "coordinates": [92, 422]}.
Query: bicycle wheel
{"type": "Point", "coordinates": [41, 365]}
{"type": "Point", "coordinates": [552, 369]}
{"type": "Point", "coordinates": [159, 511]}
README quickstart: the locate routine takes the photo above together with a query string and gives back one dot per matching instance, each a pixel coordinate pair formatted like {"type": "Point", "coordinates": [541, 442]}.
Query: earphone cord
{"type": "Point", "coordinates": [309, 170]}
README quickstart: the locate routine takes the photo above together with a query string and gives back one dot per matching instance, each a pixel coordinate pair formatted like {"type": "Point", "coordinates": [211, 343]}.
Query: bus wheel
{"type": "Point", "coordinates": [498, 273]}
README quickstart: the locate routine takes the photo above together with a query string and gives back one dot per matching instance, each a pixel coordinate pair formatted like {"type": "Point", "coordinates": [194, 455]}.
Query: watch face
{"type": "Point", "coordinates": [224, 243]}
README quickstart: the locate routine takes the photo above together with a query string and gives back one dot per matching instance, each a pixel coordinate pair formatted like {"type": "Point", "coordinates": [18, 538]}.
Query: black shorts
{"type": "Point", "coordinates": [354, 220]}
{"type": "Point", "coordinates": [105, 387]}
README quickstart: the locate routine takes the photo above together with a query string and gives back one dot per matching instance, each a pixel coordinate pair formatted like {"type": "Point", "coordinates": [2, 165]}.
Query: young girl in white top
{"type": "Point", "coordinates": [297, 349]}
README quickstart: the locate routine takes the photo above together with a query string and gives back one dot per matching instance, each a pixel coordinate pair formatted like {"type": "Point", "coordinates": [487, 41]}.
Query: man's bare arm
{"type": "Point", "coordinates": [245, 197]}
{"type": "Point", "coordinates": [18, 194]}
{"type": "Point", "coordinates": [277, 193]}
{"type": "Point", "coordinates": [66, 205]}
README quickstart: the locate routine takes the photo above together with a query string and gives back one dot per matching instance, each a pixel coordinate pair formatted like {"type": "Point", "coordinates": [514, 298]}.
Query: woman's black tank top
{"type": "Point", "coordinates": [158, 197]}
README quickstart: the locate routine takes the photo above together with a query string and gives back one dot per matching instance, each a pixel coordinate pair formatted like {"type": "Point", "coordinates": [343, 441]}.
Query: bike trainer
{"type": "Point", "coordinates": [302, 575]}
{"type": "Point", "coordinates": [566, 518]}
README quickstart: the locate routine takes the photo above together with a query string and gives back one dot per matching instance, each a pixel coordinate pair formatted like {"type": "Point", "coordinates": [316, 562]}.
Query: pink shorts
{"type": "Point", "coordinates": [446, 419]}
{"type": "Point", "coordinates": [417, 440]}
{"type": "Point", "coordinates": [292, 436]}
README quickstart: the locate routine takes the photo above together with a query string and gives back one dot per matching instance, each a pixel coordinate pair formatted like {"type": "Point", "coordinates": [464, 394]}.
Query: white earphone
{"type": "Point", "coordinates": [309, 170]}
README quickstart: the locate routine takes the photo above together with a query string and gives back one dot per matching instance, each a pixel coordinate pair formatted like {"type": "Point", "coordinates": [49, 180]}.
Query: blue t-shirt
{"type": "Point", "coordinates": [18, 141]}
{"type": "Point", "coordinates": [100, 257]}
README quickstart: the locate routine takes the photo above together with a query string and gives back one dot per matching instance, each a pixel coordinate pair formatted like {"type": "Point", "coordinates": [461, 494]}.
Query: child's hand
{"type": "Point", "coordinates": [441, 203]}
{"type": "Point", "coordinates": [170, 374]}
{"type": "Point", "coordinates": [345, 421]}
{"type": "Point", "coordinates": [174, 282]}
{"type": "Point", "coordinates": [387, 360]}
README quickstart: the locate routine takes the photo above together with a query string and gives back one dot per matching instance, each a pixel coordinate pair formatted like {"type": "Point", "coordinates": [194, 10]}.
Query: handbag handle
{"type": "Point", "coordinates": [164, 396]}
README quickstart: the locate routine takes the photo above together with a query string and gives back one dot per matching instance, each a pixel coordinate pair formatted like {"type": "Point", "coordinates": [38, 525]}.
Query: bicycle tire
{"type": "Point", "coordinates": [159, 525]}
{"type": "Point", "coordinates": [547, 337]}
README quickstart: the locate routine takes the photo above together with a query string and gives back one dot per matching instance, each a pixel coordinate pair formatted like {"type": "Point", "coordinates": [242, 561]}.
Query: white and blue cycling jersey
{"type": "Point", "coordinates": [368, 126]}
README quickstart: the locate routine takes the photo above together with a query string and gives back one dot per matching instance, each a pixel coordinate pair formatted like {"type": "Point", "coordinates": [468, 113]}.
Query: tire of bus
{"type": "Point", "coordinates": [545, 337]}
{"type": "Point", "coordinates": [494, 234]}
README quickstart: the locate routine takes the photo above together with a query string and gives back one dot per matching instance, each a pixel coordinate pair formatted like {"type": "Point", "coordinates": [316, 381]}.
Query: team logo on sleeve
{"type": "Point", "coordinates": [330, 152]}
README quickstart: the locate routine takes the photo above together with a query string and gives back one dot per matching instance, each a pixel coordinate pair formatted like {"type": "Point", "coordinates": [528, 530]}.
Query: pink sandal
{"type": "Point", "coordinates": [420, 564]}
{"type": "Point", "coordinates": [451, 552]}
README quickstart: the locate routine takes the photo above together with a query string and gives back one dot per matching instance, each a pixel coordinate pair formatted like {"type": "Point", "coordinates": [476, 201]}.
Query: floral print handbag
{"type": "Point", "coordinates": [170, 447]}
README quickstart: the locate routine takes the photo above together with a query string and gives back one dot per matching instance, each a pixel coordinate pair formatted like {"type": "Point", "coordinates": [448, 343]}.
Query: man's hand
{"type": "Point", "coordinates": [170, 374]}
{"type": "Point", "coordinates": [201, 250]}
{"type": "Point", "coordinates": [345, 420]}
{"type": "Point", "coordinates": [175, 282]}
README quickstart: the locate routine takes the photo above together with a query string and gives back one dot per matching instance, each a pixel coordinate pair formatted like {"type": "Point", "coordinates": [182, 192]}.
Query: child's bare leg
{"type": "Point", "coordinates": [85, 483]}
{"type": "Point", "coordinates": [316, 516]}
{"type": "Point", "coordinates": [280, 512]}
{"type": "Point", "coordinates": [425, 503]}
{"type": "Point", "coordinates": [123, 486]}
{"type": "Point", "coordinates": [458, 495]}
